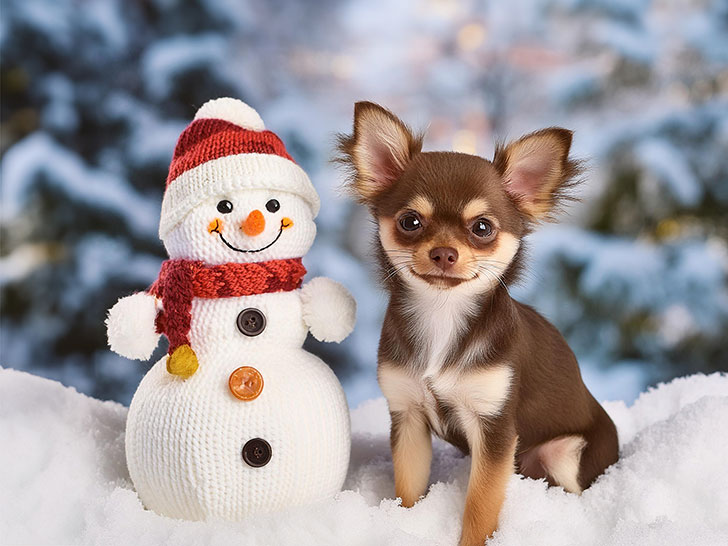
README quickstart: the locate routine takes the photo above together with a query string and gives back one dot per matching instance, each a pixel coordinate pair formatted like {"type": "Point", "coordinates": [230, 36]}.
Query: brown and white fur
{"type": "Point", "coordinates": [458, 356]}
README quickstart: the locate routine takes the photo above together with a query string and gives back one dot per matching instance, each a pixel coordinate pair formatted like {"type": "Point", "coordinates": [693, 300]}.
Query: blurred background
{"type": "Point", "coordinates": [96, 92]}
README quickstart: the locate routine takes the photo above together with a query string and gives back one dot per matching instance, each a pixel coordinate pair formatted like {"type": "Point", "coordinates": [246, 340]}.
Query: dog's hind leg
{"type": "Point", "coordinates": [558, 460]}
{"type": "Point", "coordinates": [573, 461]}
{"type": "Point", "coordinates": [602, 449]}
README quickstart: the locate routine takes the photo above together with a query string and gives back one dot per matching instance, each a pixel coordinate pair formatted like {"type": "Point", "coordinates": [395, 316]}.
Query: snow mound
{"type": "Point", "coordinates": [63, 480]}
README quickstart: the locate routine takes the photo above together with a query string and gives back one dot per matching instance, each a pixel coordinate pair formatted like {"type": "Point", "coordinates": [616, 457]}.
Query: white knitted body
{"type": "Point", "coordinates": [185, 428]}
{"type": "Point", "coordinates": [184, 437]}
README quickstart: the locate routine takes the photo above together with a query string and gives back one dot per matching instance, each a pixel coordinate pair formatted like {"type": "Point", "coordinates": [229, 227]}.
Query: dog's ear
{"type": "Point", "coordinates": [378, 151]}
{"type": "Point", "coordinates": [537, 171]}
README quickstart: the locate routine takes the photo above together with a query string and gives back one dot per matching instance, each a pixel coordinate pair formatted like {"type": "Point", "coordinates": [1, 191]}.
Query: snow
{"type": "Point", "coordinates": [167, 58]}
{"type": "Point", "coordinates": [662, 159]}
{"type": "Point", "coordinates": [64, 480]}
{"type": "Point", "coordinates": [38, 154]}
{"type": "Point", "coordinates": [628, 279]}
{"type": "Point", "coordinates": [627, 40]}
{"type": "Point", "coordinates": [59, 113]}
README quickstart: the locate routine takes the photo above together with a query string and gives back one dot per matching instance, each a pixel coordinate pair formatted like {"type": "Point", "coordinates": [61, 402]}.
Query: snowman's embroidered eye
{"type": "Point", "coordinates": [225, 206]}
{"type": "Point", "coordinates": [273, 205]}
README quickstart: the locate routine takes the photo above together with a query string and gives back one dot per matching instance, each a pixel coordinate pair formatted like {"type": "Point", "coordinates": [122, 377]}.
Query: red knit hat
{"type": "Point", "coordinates": [227, 148]}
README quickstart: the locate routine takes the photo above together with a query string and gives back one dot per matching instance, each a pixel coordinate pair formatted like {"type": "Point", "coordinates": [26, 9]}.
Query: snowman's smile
{"type": "Point", "coordinates": [216, 229]}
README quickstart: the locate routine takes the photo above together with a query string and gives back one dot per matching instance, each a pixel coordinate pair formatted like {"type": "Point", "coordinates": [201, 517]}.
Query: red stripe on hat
{"type": "Point", "coordinates": [207, 139]}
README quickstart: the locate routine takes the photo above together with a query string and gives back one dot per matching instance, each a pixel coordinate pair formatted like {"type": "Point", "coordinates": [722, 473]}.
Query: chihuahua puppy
{"type": "Point", "coordinates": [458, 356]}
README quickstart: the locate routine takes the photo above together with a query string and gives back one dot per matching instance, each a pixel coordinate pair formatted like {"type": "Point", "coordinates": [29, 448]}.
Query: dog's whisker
{"type": "Point", "coordinates": [496, 277]}
{"type": "Point", "coordinates": [399, 260]}
{"type": "Point", "coordinates": [405, 250]}
{"type": "Point", "coordinates": [396, 269]}
{"type": "Point", "coordinates": [489, 260]}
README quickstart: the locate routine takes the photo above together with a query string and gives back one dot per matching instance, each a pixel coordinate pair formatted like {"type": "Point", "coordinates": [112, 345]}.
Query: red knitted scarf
{"type": "Point", "coordinates": [180, 281]}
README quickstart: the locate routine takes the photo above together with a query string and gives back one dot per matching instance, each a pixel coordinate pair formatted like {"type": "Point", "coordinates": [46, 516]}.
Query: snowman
{"type": "Point", "coordinates": [237, 419]}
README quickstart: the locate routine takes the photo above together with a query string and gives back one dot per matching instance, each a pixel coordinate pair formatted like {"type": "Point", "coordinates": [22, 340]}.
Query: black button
{"type": "Point", "coordinates": [251, 322]}
{"type": "Point", "coordinates": [257, 452]}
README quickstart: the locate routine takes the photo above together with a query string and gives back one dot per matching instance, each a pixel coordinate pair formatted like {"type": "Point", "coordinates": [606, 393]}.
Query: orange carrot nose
{"type": "Point", "coordinates": [254, 224]}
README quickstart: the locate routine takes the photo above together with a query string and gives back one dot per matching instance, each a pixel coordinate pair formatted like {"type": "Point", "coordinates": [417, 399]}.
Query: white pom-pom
{"type": "Point", "coordinates": [232, 110]}
{"type": "Point", "coordinates": [130, 326]}
{"type": "Point", "coordinates": [328, 309]}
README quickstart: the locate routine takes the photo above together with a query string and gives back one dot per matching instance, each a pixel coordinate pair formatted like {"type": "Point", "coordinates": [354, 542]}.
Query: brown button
{"type": "Point", "coordinates": [251, 322]}
{"type": "Point", "coordinates": [257, 452]}
{"type": "Point", "coordinates": [246, 383]}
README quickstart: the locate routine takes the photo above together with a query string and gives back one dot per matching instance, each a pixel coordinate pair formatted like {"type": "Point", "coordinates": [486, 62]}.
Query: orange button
{"type": "Point", "coordinates": [246, 383]}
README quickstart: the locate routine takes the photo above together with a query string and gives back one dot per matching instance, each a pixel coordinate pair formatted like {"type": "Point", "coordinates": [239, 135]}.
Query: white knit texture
{"type": "Point", "coordinates": [184, 437]}
{"type": "Point", "coordinates": [191, 240]}
{"type": "Point", "coordinates": [328, 309]}
{"type": "Point", "coordinates": [130, 326]}
{"type": "Point", "coordinates": [230, 173]}
{"type": "Point", "coordinates": [232, 110]}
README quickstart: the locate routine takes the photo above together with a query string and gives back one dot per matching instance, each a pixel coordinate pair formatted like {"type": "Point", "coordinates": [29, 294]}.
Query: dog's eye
{"type": "Point", "coordinates": [273, 205]}
{"type": "Point", "coordinates": [225, 206]}
{"type": "Point", "coordinates": [482, 228]}
{"type": "Point", "coordinates": [410, 222]}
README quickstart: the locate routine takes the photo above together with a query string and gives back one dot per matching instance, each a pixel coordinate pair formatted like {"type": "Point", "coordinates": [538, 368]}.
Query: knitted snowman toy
{"type": "Point", "coordinates": [238, 418]}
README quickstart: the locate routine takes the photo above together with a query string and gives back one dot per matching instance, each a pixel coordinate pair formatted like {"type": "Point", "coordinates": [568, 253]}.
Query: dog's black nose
{"type": "Point", "coordinates": [444, 257]}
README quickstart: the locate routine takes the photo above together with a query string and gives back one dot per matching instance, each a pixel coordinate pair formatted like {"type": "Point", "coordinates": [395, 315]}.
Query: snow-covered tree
{"type": "Point", "coordinates": [94, 96]}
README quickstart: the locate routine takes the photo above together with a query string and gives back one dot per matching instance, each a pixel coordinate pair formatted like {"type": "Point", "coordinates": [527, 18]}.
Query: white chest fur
{"type": "Point", "coordinates": [472, 394]}
{"type": "Point", "coordinates": [439, 318]}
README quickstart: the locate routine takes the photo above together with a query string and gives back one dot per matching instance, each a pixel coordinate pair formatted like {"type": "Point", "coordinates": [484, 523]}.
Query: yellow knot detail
{"type": "Point", "coordinates": [182, 362]}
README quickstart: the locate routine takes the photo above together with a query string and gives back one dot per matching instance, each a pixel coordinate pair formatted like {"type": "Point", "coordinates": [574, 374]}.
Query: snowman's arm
{"type": "Point", "coordinates": [130, 326]}
{"type": "Point", "coordinates": [329, 310]}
